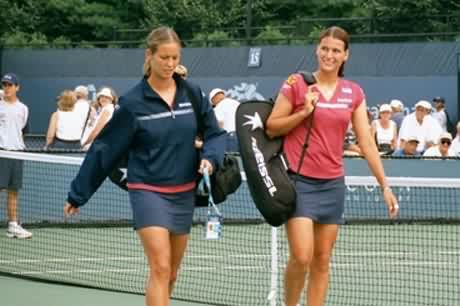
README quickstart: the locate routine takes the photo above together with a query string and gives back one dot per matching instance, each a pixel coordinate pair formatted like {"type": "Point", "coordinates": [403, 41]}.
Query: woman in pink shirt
{"type": "Point", "coordinates": [312, 229]}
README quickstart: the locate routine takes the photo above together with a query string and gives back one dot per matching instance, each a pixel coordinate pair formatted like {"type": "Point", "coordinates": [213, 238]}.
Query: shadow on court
{"type": "Point", "coordinates": [19, 292]}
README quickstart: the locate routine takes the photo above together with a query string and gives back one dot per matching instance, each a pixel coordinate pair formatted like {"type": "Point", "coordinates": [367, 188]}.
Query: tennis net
{"type": "Point", "coordinates": [414, 260]}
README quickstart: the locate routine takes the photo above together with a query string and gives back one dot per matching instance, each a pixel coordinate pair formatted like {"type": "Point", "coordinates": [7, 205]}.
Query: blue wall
{"type": "Point", "coordinates": [408, 72]}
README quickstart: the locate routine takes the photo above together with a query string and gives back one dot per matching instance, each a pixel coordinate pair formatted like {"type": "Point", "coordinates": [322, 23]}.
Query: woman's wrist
{"type": "Point", "coordinates": [385, 188]}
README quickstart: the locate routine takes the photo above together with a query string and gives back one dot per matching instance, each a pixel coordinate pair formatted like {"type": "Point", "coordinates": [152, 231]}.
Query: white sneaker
{"type": "Point", "coordinates": [17, 231]}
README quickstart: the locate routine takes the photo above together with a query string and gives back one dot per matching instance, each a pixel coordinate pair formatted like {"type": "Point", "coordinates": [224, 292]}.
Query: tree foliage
{"type": "Point", "coordinates": [63, 23]}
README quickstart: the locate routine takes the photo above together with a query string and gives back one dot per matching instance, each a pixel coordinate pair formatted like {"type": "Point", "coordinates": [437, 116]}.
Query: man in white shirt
{"type": "Point", "coordinates": [422, 125]}
{"type": "Point", "coordinates": [456, 142]}
{"type": "Point", "coordinates": [443, 149]}
{"type": "Point", "coordinates": [441, 115]}
{"type": "Point", "coordinates": [13, 119]}
{"type": "Point", "coordinates": [225, 110]}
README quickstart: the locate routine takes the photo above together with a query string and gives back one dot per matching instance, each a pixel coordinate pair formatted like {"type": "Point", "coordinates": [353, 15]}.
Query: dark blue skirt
{"type": "Point", "coordinates": [173, 211]}
{"type": "Point", "coordinates": [321, 200]}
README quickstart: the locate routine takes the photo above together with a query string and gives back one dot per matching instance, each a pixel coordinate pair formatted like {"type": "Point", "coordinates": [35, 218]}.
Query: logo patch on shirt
{"type": "Point", "coordinates": [291, 80]}
{"type": "Point", "coordinates": [346, 90]}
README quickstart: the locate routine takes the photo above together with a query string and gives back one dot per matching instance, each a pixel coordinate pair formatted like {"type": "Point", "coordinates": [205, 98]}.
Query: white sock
{"type": "Point", "coordinates": [13, 223]}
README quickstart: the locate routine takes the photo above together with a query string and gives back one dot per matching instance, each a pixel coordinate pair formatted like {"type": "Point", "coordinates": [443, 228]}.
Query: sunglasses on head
{"type": "Point", "coordinates": [444, 141]}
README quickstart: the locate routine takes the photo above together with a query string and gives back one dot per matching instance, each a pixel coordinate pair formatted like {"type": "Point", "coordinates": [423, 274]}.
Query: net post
{"type": "Point", "coordinates": [272, 297]}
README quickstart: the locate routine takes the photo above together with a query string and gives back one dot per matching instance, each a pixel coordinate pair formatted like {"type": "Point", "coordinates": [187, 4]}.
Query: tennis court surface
{"type": "Point", "coordinates": [414, 260]}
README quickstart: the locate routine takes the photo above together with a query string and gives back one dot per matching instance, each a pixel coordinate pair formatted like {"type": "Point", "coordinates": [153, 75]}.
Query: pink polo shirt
{"type": "Point", "coordinates": [323, 158]}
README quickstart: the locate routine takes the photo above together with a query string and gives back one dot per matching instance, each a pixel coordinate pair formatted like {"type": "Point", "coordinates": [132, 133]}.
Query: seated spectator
{"type": "Point", "coordinates": [350, 145]}
{"type": "Point", "coordinates": [82, 105]}
{"type": "Point", "coordinates": [397, 112]}
{"type": "Point", "coordinates": [420, 124]}
{"type": "Point", "coordinates": [182, 71]}
{"type": "Point", "coordinates": [441, 115]}
{"type": "Point", "coordinates": [456, 142]}
{"type": "Point", "coordinates": [443, 148]}
{"type": "Point", "coordinates": [101, 112]}
{"type": "Point", "coordinates": [64, 129]}
{"type": "Point", "coordinates": [384, 130]}
{"type": "Point", "coordinates": [409, 149]}
{"type": "Point", "coordinates": [225, 110]}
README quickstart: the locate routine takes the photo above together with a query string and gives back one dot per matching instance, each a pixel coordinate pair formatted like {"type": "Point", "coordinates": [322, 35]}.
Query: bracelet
{"type": "Point", "coordinates": [386, 188]}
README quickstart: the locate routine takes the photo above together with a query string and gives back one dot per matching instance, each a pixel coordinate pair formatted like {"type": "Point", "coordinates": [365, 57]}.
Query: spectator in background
{"type": "Point", "coordinates": [82, 106]}
{"type": "Point", "coordinates": [101, 113]}
{"type": "Point", "coordinates": [225, 110]}
{"type": "Point", "coordinates": [397, 112]}
{"type": "Point", "coordinates": [409, 149]}
{"type": "Point", "coordinates": [350, 145]}
{"type": "Point", "coordinates": [456, 142]}
{"type": "Point", "coordinates": [420, 124]}
{"type": "Point", "coordinates": [385, 130]}
{"type": "Point", "coordinates": [441, 115]}
{"type": "Point", "coordinates": [64, 129]}
{"type": "Point", "coordinates": [13, 119]}
{"type": "Point", "coordinates": [182, 71]}
{"type": "Point", "coordinates": [443, 148]}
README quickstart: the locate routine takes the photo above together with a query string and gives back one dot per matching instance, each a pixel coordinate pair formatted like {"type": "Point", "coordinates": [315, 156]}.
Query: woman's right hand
{"type": "Point", "coordinates": [70, 210]}
{"type": "Point", "coordinates": [311, 98]}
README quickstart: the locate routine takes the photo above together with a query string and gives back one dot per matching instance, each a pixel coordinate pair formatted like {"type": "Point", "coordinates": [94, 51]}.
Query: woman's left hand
{"type": "Point", "coordinates": [205, 164]}
{"type": "Point", "coordinates": [391, 201]}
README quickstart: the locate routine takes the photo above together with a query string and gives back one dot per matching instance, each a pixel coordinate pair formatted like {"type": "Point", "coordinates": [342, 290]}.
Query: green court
{"type": "Point", "coordinates": [20, 292]}
{"type": "Point", "coordinates": [417, 264]}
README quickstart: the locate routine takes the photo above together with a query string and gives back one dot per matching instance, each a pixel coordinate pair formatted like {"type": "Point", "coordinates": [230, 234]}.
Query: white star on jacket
{"type": "Point", "coordinates": [125, 174]}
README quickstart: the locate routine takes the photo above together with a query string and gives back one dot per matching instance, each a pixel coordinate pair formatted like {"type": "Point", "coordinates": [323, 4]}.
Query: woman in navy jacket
{"type": "Point", "coordinates": [156, 126]}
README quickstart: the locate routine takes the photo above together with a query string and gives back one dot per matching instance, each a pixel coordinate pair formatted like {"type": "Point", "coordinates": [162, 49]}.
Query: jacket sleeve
{"type": "Point", "coordinates": [107, 149]}
{"type": "Point", "coordinates": [214, 136]}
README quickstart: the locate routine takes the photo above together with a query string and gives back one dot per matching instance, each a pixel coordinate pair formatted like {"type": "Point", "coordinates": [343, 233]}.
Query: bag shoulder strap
{"type": "Point", "coordinates": [309, 79]}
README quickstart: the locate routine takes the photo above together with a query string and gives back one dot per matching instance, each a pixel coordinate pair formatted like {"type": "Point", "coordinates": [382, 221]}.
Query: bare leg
{"type": "Point", "coordinates": [12, 205]}
{"type": "Point", "coordinates": [157, 248]}
{"type": "Point", "coordinates": [300, 238]}
{"type": "Point", "coordinates": [178, 246]}
{"type": "Point", "coordinates": [318, 281]}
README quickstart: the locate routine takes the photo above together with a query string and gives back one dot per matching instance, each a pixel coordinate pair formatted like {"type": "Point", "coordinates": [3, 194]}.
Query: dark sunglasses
{"type": "Point", "coordinates": [5, 84]}
{"type": "Point", "coordinates": [445, 141]}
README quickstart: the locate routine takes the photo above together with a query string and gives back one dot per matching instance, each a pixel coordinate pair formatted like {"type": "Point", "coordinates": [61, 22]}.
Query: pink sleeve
{"type": "Point", "coordinates": [359, 96]}
{"type": "Point", "coordinates": [290, 88]}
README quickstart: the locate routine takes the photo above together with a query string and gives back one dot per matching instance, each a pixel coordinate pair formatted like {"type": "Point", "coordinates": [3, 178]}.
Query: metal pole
{"type": "Point", "coordinates": [248, 21]}
{"type": "Point", "coordinates": [458, 87]}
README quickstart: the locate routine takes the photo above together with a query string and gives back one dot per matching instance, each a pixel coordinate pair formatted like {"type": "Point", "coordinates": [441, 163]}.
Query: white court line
{"type": "Point", "coordinates": [245, 256]}
{"type": "Point", "coordinates": [386, 264]}
{"type": "Point", "coordinates": [87, 259]}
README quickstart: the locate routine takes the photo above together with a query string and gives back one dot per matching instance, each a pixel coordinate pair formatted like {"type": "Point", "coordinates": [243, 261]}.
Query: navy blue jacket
{"type": "Point", "coordinates": [159, 141]}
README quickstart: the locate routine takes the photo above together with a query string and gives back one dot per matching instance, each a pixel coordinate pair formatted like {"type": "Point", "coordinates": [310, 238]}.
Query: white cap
{"type": "Point", "coordinates": [81, 89]}
{"type": "Point", "coordinates": [396, 103]}
{"type": "Point", "coordinates": [423, 103]}
{"type": "Point", "coordinates": [385, 108]}
{"type": "Point", "coordinates": [412, 138]}
{"type": "Point", "coordinates": [106, 92]}
{"type": "Point", "coordinates": [214, 92]}
{"type": "Point", "coordinates": [445, 135]}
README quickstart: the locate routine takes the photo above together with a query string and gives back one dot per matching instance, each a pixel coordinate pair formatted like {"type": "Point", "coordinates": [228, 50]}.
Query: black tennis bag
{"type": "Point", "coordinates": [264, 164]}
{"type": "Point", "coordinates": [266, 168]}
